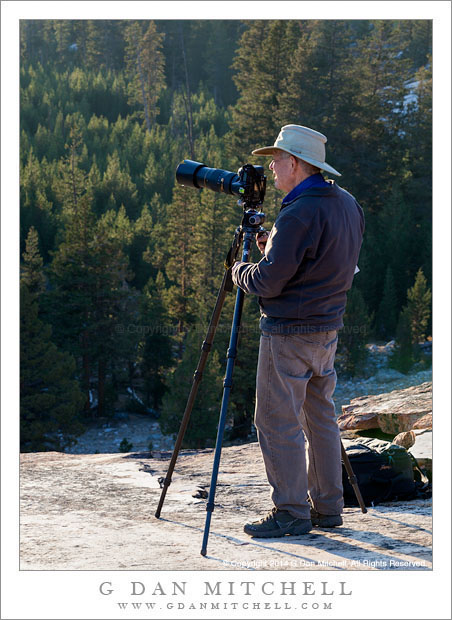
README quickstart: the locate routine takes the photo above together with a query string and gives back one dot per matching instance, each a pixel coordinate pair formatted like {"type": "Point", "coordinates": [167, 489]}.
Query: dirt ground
{"type": "Point", "coordinates": [96, 512]}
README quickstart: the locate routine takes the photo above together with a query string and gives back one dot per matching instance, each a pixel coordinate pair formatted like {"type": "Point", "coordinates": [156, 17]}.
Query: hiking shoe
{"type": "Point", "coordinates": [278, 523]}
{"type": "Point", "coordinates": [320, 520]}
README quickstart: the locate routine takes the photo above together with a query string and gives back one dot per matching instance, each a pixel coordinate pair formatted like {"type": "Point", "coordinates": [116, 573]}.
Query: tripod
{"type": "Point", "coordinates": [251, 224]}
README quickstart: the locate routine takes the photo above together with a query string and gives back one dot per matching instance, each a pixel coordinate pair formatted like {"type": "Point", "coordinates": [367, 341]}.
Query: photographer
{"type": "Point", "coordinates": [309, 259]}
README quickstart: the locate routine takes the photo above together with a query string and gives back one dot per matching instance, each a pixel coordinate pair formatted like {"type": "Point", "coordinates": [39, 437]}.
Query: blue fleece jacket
{"type": "Point", "coordinates": [309, 261]}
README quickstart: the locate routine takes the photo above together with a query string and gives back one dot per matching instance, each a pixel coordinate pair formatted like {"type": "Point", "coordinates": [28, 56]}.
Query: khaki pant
{"type": "Point", "coordinates": [294, 387]}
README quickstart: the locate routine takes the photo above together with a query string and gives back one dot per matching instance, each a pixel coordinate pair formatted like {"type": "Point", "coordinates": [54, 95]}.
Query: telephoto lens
{"type": "Point", "coordinates": [194, 174]}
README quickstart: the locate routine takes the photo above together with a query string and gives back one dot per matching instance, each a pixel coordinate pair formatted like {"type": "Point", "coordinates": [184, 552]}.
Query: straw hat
{"type": "Point", "coordinates": [302, 142]}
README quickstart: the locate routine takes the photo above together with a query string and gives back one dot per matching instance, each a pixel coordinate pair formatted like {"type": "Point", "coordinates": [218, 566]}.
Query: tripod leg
{"type": "Point", "coordinates": [231, 355]}
{"type": "Point", "coordinates": [352, 479]}
{"type": "Point", "coordinates": [206, 346]}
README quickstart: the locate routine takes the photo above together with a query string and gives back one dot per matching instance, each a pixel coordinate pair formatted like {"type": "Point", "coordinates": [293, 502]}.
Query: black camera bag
{"type": "Point", "coordinates": [385, 472]}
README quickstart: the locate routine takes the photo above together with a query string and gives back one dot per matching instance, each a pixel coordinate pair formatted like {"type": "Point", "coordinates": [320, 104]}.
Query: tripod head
{"type": "Point", "coordinates": [252, 220]}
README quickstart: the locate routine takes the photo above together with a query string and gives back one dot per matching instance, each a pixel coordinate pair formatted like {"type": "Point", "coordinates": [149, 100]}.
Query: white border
{"type": "Point", "coordinates": [375, 595]}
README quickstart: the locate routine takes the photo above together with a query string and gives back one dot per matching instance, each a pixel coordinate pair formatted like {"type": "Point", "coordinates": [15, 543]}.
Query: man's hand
{"type": "Point", "coordinates": [261, 240]}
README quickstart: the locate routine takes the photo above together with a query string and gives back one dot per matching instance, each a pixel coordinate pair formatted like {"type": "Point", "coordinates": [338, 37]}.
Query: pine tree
{"type": "Point", "coordinates": [387, 311]}
{"type": "Point", "coordinates": [402, 358]}
{"type": "Point", "coordinates": [105, 44]}
{"type": "Point", "coordinates": [296, 102]}
{"type": "Point", "coordinates": [92, 300]}
{"type": "Point", "coordinates": [380, 66]}
{"type": "Point", "coordinates": [261, 65]}
{"type": "Point", "coordinates": [145, 67]}
{"type": "Point", "coordinates": [118, 186]}
{"type": "Point", "coordinates": [202, 427]}
{"type": "Point", "coordinates": [142, 245]}
{"type": "Point", "coordinates": [389, 233]}
{"type": "Point", "coordinates": [315, 89]}
{"type": "Point", "coordinates": [419, 307]}
{"type": "Point", "coordinates": [419, 36]}
{"type": "Point", "coordinates": [243, 391]}
{"type": "Point", "coordinates": [216, 219]}
{"type": "Point", "coordinates": [165, 152]}
{"type": "Point", "coordinates": [50, 398]}
{"type": "Point", "coordinates": [321, 87]}
{"type": "Point", "coordinates": [32, 269]}
{"type": "Point", "coordinates": [417, 166]}
{"type": "Point", "coordinates": [31, 40]}
{"type": "Point", "coordinates": [62, 29]}
{"type": "Point", "coordinates": [36, 209]}
{"type": "Point", "coordinates": [353, 337]}
{"type": "Point", "coordinates": [94, 304]}
{"type": "Point", "coordinates": [179, 261]}
{"type": "Point", "coordinates": [412, 324]}
{"type": "Point", "coordinates": [94, 44]}
{"type": "Point", "coordinates": [155, 348]}
{"type": "Point", "coordinates": [115, 304]}
{"type": "Point", "coordinates": [72, 277]}
{"type": "Point", "coordinates": [185, 90]}
{"type": "Point", "coordinates": [220, 35]}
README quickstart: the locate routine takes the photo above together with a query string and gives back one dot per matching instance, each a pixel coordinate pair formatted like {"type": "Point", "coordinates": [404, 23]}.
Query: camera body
{"type": "Point", "coordinates": [249, 183]}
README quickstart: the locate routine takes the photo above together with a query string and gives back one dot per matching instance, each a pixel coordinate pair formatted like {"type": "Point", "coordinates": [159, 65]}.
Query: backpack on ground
{"type": "Point", "coordinates": [385, 472]}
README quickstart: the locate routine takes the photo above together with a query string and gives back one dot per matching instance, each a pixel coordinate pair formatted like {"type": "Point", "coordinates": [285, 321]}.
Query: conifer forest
{"type": "Point", "coordinates": [121, 266]}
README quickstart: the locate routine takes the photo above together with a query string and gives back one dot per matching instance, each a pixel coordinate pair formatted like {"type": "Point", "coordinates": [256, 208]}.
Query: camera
{"type": "Point", "coordinates": [248, 183]}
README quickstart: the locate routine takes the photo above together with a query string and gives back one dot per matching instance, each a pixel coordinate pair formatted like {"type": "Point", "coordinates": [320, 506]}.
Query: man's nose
{"type": "Point", "coordinates": [271, 164]}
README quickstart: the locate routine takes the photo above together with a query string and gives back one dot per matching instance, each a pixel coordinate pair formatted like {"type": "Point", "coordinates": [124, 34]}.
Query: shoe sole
{"type": "Point", "coordinates": [334, 522]}
{"type": "Point", "coordinates": [297, 530]}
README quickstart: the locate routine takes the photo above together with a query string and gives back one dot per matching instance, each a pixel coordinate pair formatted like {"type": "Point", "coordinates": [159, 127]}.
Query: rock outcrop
{"type": "Point", "coordinates": [96, 512]}
{"type": "Point", "coordinates": [393, 412]}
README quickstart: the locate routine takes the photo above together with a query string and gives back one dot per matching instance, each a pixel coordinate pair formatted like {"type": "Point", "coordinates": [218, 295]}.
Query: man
{"type": "Point", "coordinates": [310, 257]}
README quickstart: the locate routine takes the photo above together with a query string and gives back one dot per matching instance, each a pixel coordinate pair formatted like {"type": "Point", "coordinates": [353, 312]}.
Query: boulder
{"type": "Point", "coordinates": [406, 439]}
{"type": "Point", "coordinates": [423, 450]}
{"type": "Point", "coordinates": [425, 422]}
{"type": "Point", "coordinates": [354, 420]}
{"type": "Point", "coordinates": [393, 412]}
{"type": "Point", "coordinates": [405, 408]}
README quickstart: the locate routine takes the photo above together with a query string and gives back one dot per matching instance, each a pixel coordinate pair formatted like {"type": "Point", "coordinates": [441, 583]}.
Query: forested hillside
{"type": "Point", "coordinates": [121, 266]}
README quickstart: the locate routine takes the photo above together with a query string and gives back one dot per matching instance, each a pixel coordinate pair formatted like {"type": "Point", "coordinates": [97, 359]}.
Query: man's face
{"type": "Point", "coordinates": [282, 166]}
